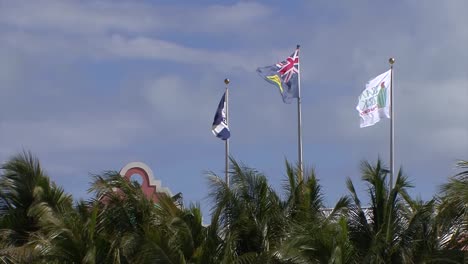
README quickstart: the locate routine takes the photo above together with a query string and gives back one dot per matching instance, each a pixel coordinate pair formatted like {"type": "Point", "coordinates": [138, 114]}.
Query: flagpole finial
{"type": "Point", "coordinates": [391, 61]}
{"type": "Point", "coordinates": [226, 81]}
{"type": "Point", "coordinates": [298, 46]}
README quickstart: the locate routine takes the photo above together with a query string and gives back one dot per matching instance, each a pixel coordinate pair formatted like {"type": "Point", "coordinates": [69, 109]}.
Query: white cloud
{"type": "Point", "coordinates": [72, 30]}
{"type": "Point", "coordinates": [170, 98]}
{"type": "Point", "coordinates": [229, 19]}
{"type": "Point", "coordinates": [61, 49]}
{"type": "Point", "coordinates": [75, 132]}
{"type": "Point", "coordinates": [149, 48]}
{"type": "Point", "coordinates": [82, 17]}
{"type": "Point", "coordinates": [95, 17]}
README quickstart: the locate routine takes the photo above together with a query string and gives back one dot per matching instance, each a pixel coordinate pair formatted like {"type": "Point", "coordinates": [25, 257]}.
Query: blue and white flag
{"type": "Point", "coordinates": [220, 127]}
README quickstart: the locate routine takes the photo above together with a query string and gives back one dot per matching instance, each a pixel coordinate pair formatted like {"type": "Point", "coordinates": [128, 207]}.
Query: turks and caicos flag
{"type": "Point", "coordinates": [284, 75]}
{"type": "Point", "coordinates": [220, 127]}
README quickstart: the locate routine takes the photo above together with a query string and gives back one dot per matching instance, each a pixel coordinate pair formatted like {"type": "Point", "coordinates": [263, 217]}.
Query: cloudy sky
{"type": "Point", "coordinates": [89, 86]}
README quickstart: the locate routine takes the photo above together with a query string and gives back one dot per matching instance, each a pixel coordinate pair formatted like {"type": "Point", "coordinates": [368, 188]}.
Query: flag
{"type": "Point", "coordinates": [374, 102]}
{"type": "Point", "coordinates": [284, 75]}
{"type": "Point", "coordinates": [220, 127]}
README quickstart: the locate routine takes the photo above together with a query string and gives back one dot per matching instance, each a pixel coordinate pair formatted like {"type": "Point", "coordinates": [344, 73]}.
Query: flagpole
{"type": "Point", "coordinates": [226, 142]}
{"type": "Point", "coordinates": [299, 122]}
{"type": "Point", "coordinates": [392, 128]}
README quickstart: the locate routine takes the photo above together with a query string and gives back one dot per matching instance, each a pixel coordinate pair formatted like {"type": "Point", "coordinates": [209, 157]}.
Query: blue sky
{"type": "Point", "coordinates": [89, 86]}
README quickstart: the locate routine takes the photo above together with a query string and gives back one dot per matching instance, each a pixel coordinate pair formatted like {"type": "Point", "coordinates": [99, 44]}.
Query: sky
{"type": "Point", "coordinates": [89, 86]}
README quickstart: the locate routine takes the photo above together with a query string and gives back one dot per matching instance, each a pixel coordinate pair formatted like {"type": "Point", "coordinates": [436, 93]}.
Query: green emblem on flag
{"type": "Point", "coordinates": [373, 103]}
{"type": "Point", "coordinates": [382, 96]}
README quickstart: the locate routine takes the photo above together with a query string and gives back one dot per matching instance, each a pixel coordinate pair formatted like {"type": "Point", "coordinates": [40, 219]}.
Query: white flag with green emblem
{"type": "Point", "coordinates": [374, 102]}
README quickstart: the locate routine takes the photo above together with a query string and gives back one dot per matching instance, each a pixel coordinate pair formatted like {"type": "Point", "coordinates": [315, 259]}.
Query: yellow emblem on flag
{"type": "Point", "coordinates": [276, 79]}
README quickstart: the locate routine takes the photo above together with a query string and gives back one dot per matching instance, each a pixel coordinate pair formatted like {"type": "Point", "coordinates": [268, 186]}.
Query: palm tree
{"type": "Point", "coordinates": [27, 197]}
{"type": "Point", "coordinates": [73, 238]}
{"type": "Point", "coordinates": [248, 216]}
{"type": "Point", "coordinates": [395, 228]}
{"type": "Point", "coordinates": [453, 210]}
{"type": "Point", "coordinates": [140, 231]}
{"type": "Point", "coordinates": [315, 235]}
{"type": "Point", "coordinates": [250, 222]}
{"type": "Point", "coordinates": [120, 225]}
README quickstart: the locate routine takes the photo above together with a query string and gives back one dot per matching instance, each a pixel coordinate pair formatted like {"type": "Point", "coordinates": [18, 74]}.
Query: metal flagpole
{"type": "Point", "coordinates": [226, 143]}
{"type": "Point", "coordinates": [392, 168]}
{"type": "Point", "coordinates": [392, 142]}
{"type": "Point", "coordinates": [299, 121]}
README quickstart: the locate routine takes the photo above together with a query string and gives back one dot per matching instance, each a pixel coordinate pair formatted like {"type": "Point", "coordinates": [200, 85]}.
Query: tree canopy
{"type": "Point", "coordinates": [250, 221]}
